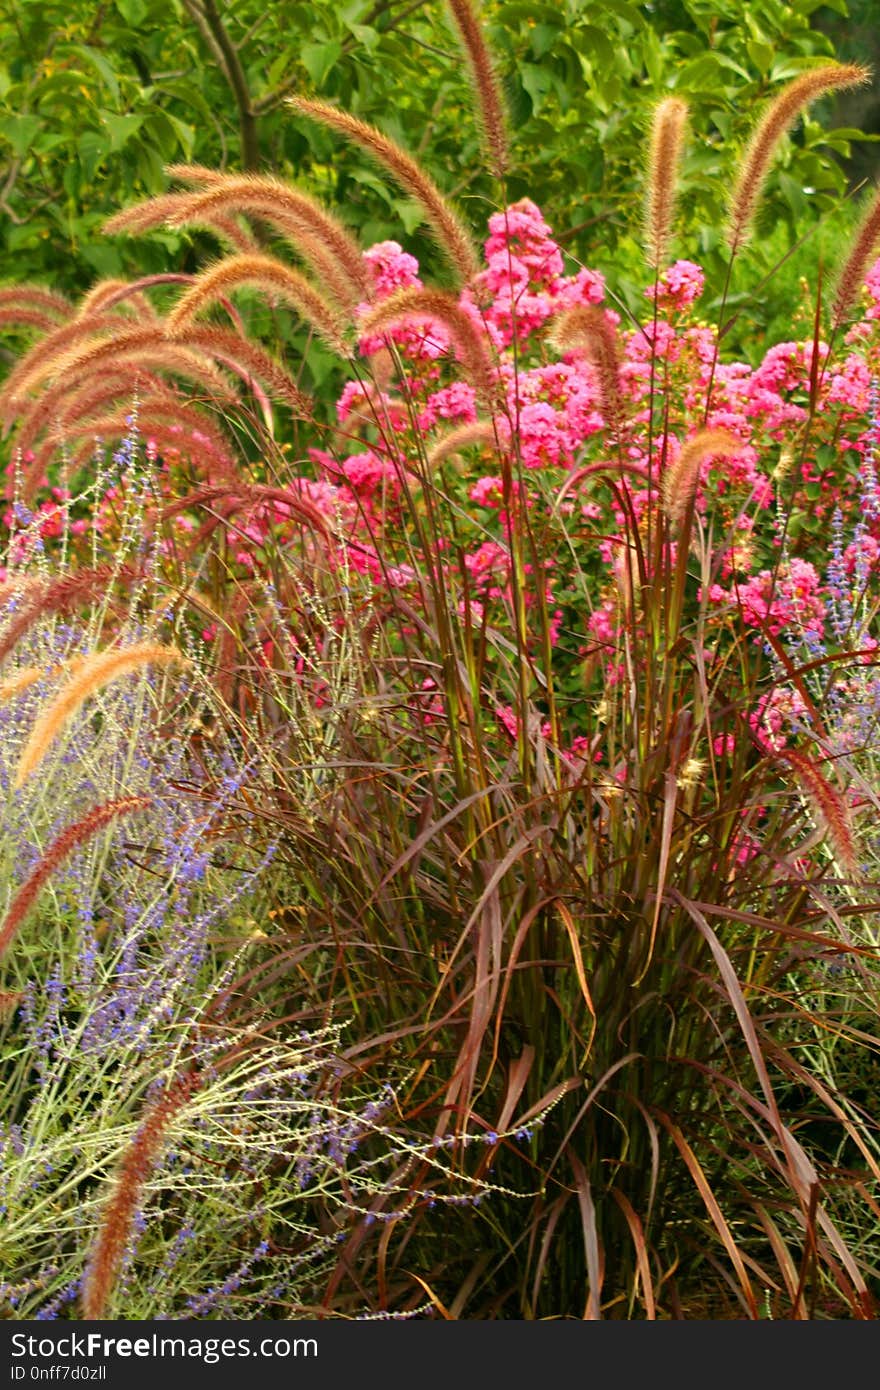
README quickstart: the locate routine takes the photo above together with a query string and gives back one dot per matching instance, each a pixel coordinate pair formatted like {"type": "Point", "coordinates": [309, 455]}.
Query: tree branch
{"type": "Point", "coordinates": [207, 19]}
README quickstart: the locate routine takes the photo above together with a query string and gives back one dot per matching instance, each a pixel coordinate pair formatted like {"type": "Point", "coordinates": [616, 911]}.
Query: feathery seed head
{"type": "Point", "coordinates": [487, 88]}
{"type": "Point", "coordinates": [75, 834]}
{"type": "Point", "coordinates": [90, 676]}
{"type": "Point", "coordinates": [448, 230]}
{"type": "Point", "coordinates": [667, 140]}
{"type": "Point", "coordinates": [471, 343]}
{"type": "Point", "coordinates": [462, 437]}
{"type": "Point", "coordinates": [778, 118]}
{"type": "Point", "coordinates": [586, 328]}
{"type": "Point", "coordinates": [119, 1214]}
{"type": "Point", "coordinates": [317, 236]}
{"type": "Point", "coordinates": [858, 262]}
{"type": "Point", "coordinates": [680, 480]}
{"type": "Point", "coordinates": [830, 807]}
{"type": "Point", "coordinates": [274, 278]}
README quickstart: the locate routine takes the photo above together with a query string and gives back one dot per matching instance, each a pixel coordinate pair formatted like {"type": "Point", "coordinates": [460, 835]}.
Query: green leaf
{"type": "Point", "coordinates": [190, 95]}
{"type": "Point", "coordinates": [101, 66]}
{"type": "Point", "coordinates": [761, 55]}
{"type": "Point", "coordinates": [92, 148]}
{"type": "Point", "coordinates": [185, 133]}
{"type": "Point", "coordinates": [20, 131]}
{"type": "Point", "coordinates": [150, 165]}
{"type": "Point", "coordinates": [277, 70]}
{"type": "Point", "coordinates": [319, 58]}
{"type": "Point", "coordinates": [537, 82]}
{"type": "Point", "coordinates": [705, 73]}
{"type": "Point", "coordinates": [593, 43]}
{"type": "Point", "coordinates": [544, 36]}
{"type": "Point", "coordinates": [411, 213]}
{"type": "Point", "coordinates": [365, 35]}
{"type": "Point", "coordinates": [120, 128]}
{"type": "Point", "coordinates": [826, 456]}
{"type": "Point", "coordinates": [134, 12]}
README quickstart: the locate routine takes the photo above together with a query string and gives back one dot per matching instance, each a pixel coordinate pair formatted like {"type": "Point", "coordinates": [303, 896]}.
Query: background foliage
{"type": "Point", "coordinates": [96, 98]}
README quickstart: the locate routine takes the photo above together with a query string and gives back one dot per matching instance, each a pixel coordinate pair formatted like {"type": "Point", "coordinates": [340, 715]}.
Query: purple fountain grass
{"type": "Point", "coordinates": [664, 158]}
{"type": "Point", "coordinates": [91, 674]}
{"type": "Point", "coordinates": [247, 359]}
{"type": "Point", "coordinates": [163, 211]}
{"type": "Point", "coordinates": [406, 305]}
{"type": "Point", "coordinates": [480, 432]}
{"type": "Point", "coordinates": [586, 328]}
{"type": "Point", "coordinates": [39, 362]}
{"type": "Point", "coordinates": [74, 835]}
{"type": "Point", "coordinates": [829, 805]}
{"type": "Point", "coordinates": [486, 85]}
{"type": "Point", "coordinates": [452, 238]}
{"type": "Point", "coordinates": [851, 275]}
{"type": "Point", "coordinates": [275, 279]}
{"type": "Point", "coordinates": [62, 596]}
{"type": "Point", "coordinates": [314, 233]}
{"type": "Point", "coordinates": [118, 1218]}
{"type": "Point", "coordinates": [51, 302]}
{"type": "Point", "coordinates": [680, 480]}
{"type": "Point", "coordinates": [779, 117]}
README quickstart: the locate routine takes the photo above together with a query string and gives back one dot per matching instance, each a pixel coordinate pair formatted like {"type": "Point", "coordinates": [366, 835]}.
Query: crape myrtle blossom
{"type": "Point", "coordinates": [543, 448]}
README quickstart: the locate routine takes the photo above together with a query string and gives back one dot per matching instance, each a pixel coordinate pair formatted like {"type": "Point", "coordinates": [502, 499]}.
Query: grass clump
{"type": "Point", "coordinates": [529, 685]}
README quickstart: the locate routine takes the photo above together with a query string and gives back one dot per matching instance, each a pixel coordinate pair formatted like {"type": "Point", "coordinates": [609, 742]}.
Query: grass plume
{"type": "Point", "coordinates": [248, 360]}
{"type": "Point", "coordinates": [472, 344]}
{"type": "Point", "coordinates": [586, 328]}
{"type": "Point", "coordinates": [317, 236]}
{"type": "Point", "coordinates": [449, 231]}
{"type": "Point", "coordinates": [830, 807]}
{"type": "Point", "coordinates": [779, 117]}
{"type": "Point", "coordinates": [273, 278]}
{"type": "Point", "coordinates": [91, 675]}
{"type": "Point", "coordinates": [487, 88]}
{"type": "Point", "coordinates": [462, 437]}
{"type": "Point", "coordinates": [664, 158]}
{"type": "Point", "coordinates": [162, 211]}
{"type": "Point", "coordinates": [852, 273]}
{"type": "Point", "coordinates": [61, 596]}
{"type": "Point", "coordinates": [118, 1217]}
{"type": "Point", "coordinates": [74, 835]}
{"type": "Point", "coordinates": [41, 360]}
{"type": "Point", "coordinates": [50, 302]}
{"type": "Point", "coordinates": [681, 477]}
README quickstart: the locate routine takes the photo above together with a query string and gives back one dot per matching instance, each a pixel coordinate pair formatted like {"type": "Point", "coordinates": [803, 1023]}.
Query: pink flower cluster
{"type": "Point", "coordinates": [547, 448]}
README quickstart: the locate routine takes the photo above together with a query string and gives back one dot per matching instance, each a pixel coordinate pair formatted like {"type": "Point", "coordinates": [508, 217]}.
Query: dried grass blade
{"type": "Point", "coordinates": [592, 1250]}
{"type": "Point", "coordinates": [713, 1209]}
{"type": "Point", "coordinates": [637, 1231]}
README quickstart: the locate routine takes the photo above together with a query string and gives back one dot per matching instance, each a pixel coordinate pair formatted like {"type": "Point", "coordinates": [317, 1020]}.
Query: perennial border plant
{"type": "Point", "coordinates": [565, 737]}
